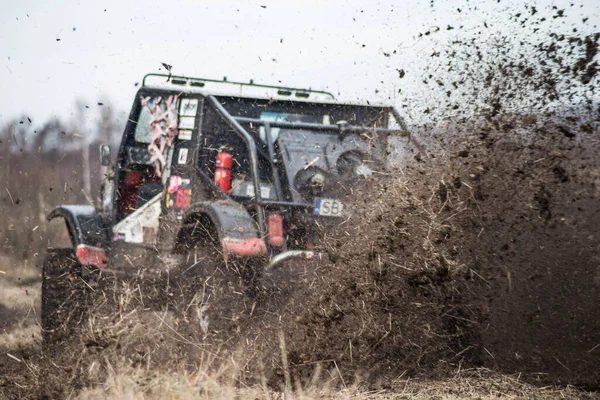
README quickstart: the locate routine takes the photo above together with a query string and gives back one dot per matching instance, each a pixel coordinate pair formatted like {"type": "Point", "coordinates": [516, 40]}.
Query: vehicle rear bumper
{"type": "Point", "coordinates": [249, 247]}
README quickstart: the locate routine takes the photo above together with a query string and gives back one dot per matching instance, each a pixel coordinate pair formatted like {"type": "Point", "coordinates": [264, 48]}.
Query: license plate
{"type": "Point", "coordinates": [328, 207]}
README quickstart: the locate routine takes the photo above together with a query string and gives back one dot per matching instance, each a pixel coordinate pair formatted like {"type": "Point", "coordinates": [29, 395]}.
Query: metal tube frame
{"type": "Point", "coordinates": [234, 123]}
{"type": "Point", "coordinates": [274, 161]}
{"type": "Point", "coordinates": [319, 127]}
{"type": "Point", "coordinates": [245, 136]}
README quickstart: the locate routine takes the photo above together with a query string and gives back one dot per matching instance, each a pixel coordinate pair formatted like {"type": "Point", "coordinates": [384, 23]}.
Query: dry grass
{"type": "Point", "coordinates": [18, 272]}
{"type": "Point", "coordinates": [19, 337]}
{"type": "Point", "coordinates": [482, 383]}
{"type": "Point", "coordinates": [19, 304]}
{"type": "Point", "coordinates": [116, 373]}
{"type": "Point", "coordinates": [126, 382]}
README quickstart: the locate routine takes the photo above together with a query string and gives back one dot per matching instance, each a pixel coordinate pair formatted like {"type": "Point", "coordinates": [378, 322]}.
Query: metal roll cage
{"type": "Point", "coordinates": [235, 122]}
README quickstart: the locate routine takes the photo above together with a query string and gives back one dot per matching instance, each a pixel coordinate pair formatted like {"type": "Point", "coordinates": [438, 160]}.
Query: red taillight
{"type": "Point", "coordinates": [275, 224]}
{"type": "Point", "coordinates": [90, 255]}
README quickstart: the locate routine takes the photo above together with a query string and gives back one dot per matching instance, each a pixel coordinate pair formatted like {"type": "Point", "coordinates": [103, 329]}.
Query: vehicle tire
{"type": "Point", "coordinates": [218, 295]}
{"type": "Point", "coordinates": [65, 295]}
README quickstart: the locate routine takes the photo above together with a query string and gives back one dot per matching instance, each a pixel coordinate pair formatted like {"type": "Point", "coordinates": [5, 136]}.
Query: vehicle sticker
{"type": "Point", "coordinates": [168, 200]}
{"type": "Point", "coordinates": [187, 122]}
{"type": "Point", "coordinates": [174, 183]}
{"type": "Point", "coordinates": [119, 237]}
{"type": "Point", "coordinates": [185, 134]}
{"type": "Point", "coordinates": [162, 123]}
{"type": "Point", "coordinates": [182, 199]}
{"type": "Point", "coordinates": [179, 194]}
{"type": "Point", "coordinates": [265, 191]}
{"type": "Point", "coordinates": [182, 157]}
{"type": "Point", "coordinates": [188, 107]}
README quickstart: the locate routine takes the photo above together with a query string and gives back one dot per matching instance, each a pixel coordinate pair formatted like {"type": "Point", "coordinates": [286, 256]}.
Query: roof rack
{"type": "Point", "coordinates": [225, 87]}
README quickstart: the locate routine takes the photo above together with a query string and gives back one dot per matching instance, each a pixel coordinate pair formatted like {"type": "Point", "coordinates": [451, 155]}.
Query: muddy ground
{"type": "Point", "coordinates": [481, 250]}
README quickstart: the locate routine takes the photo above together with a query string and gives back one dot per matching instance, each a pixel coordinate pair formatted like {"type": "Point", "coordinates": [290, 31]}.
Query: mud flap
{"type": "Point", "coordinates": [87, 232]}
{"type": "Point", "coordinates": [237, 230]}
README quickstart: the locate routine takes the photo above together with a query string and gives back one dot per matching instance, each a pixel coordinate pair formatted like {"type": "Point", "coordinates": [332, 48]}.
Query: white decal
{"type": "Point", "coordinates": [188, 107]}
{"type": "Point", "coordinates": [143, 222]}
{"type": "Point", "coordinates": [185, 134]}
{"type": "Point", "coordinates": [265, 191]}
{"type": "Point", "coordinates": [182, 157]}
{"type": "Point", "coordinates": [186, 122]}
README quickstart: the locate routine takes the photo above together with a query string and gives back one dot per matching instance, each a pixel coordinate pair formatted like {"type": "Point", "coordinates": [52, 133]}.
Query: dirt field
{"type": "Point", "coordinates": [472, 271]}
{"type": "Point", "coordinates": [19, 325]}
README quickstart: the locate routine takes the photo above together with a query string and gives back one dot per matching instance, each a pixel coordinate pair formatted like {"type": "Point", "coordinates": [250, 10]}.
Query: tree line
{"type": "Point", "coordinates": [45, 165]}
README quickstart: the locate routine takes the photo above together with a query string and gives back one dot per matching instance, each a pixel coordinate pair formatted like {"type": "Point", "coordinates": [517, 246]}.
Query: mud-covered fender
{"type": "Point", "coordinates": [237, 230]}
{"type": "Point", "coordinates": [88, 235]}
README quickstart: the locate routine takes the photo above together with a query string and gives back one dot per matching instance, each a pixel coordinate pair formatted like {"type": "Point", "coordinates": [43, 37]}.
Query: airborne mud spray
{"type": "Point", "coordinates": [528, 60]}
{"type": "Point", "coordinates": [481, 249]}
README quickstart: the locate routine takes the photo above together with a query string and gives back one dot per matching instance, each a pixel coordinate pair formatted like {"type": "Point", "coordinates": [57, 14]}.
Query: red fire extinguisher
{"type": "Point", "coordinates": [223, 171]}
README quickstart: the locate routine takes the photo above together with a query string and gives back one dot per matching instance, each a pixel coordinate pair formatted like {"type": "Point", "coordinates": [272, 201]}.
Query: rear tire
{"type": "Point", "coordinates": [64, 295]}
{"type": "Point", "coordinates": [218, 296]}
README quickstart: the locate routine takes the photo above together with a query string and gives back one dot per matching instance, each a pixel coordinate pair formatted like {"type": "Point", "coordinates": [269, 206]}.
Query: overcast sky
{"type": "Point", "coordinates": [54, 52]}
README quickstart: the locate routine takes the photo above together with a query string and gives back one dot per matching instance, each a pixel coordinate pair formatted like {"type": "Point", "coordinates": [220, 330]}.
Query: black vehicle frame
{"type": "Point", "coordinates": [291, 148]}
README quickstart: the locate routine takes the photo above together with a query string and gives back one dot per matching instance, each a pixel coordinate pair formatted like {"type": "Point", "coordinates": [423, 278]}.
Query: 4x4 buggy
{"type": "Point", "coordinates": [248, 179]}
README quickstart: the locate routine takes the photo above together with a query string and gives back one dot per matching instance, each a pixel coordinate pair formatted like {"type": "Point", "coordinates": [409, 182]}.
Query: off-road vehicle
{"type": "Point", "coordinates": [222, 172]}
